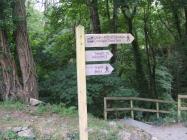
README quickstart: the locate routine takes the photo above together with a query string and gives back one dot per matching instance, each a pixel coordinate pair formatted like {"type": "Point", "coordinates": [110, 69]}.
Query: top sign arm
{"type": "Point", "coordinates": [104, 40]}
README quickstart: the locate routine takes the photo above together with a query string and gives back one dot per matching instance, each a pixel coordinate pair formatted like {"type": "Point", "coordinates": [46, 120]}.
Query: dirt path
{"type": "Point", "coordinates": [171, 132]}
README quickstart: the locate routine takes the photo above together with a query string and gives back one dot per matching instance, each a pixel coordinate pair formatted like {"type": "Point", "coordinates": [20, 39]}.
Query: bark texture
{"type": "Point", "coordinates": [26, 61]}
{"type": "Point", "coordinates": [11, 85]}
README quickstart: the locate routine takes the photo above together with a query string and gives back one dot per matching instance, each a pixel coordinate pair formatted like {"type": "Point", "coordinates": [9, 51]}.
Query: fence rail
{"type": "Point", "coordinates": [132, 108]}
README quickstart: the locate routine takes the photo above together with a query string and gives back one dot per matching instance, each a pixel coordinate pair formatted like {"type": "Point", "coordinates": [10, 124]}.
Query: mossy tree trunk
{"type": "Point", "coordinates": [24, 52]}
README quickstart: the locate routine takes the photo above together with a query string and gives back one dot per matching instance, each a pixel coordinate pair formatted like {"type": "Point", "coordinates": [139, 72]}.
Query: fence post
{"type": "Point", "coordinates": [132, 111]}
{"type": "Point", "coordinates": [179, 109]}
{"type": "Point", "coordinates": [157, 110]}
{"type": "Point", "coordinates": [105, 109]}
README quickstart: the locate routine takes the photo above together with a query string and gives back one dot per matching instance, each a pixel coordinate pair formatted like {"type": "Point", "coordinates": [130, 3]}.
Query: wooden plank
{"type": "Point", "coordinates": [81, 82]}
{"type": "Point", "coordinates": [118, 98]}
{"type": "Point", "coordinates": [118, 109]}
{"type": "Point", "coordinates": [136, 109]}
{"type": "Point", "coordinates": [139, 99]}
{"type": "Point", "coordinates": [98, 55]}
{"type": "Point", "coordinates": [104, 40]}
{"type": "Point", "coordinates": [152, 100]}
{"type": "Point", "coordinates": [150, 110]}
{"type": "Point", "coordinates": [183, 108]}
{"type": "Point", "coordinates": [98, 69]}
{"type": "Point", "coordinates": [182, 96]}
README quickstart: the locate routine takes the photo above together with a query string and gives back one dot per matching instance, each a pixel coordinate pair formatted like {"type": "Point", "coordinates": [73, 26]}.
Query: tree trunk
{"type": "Point", "coordinates": [142, 84]}
{"type": "Point", "coordinates": [107, 10]}
{"type": "Point", "coordinates": [94, 15]}
{"type": "Point", "coordinates": [177, 23]}
{"type": "Point", "coordinates": [151, 60]}
{"type": "Point", "coordinates": [10, 80]}
{"type": "Point", "coordinates": [27, 64]}
{"type": "Point", "coordinates": [114, 30]}
{"type": "Point", "coordinates": [185, 11]}
{"type": "Point", "coordinates": [147, 49]}
{"type": "Point", "coordinates": [176, 18]}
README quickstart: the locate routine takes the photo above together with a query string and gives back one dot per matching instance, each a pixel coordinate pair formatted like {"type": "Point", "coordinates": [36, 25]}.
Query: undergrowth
{"type": "Point", "coordinates": [12, 105]}
{"type": "Point", "coordinates": [10, 135]}
{"type": "Point", "coordinates": [59, 109]}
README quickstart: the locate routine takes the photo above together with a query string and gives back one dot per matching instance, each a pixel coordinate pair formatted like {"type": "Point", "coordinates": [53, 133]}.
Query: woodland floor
{"type": "Point", "coordinates": [51, 126]}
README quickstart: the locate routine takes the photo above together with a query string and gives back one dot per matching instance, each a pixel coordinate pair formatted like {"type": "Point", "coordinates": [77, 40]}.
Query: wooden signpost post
{"type": "Point", "coordinates": [92, 40]}
{"type": "Point", "coordinates": [81, 82]}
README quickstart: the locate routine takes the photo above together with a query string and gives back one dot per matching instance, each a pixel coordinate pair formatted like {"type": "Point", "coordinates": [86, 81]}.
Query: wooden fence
{"type": "Point", "coordinates": [132, 108]}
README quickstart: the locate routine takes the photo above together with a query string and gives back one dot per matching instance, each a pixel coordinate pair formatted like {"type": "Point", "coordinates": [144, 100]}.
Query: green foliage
{"type": "Point", "coordinates": [52, 39]}
{"type": "Point", "coordinates": [164, 83]}
{"type": "Point", "coordinates": [12, 105]}
{"type": "Point", "coordinates": [60, 109]}
{"type": "Point", "coordinates": [5, 17]}
{"type": "Point", "coordinates": [10, 135]}
{"type": "Point", "coordinates": [184, 116]}
{"type": "Point", "coordinates": [61, 86]}
{"type": "Point", "coordinates": [35, 20]}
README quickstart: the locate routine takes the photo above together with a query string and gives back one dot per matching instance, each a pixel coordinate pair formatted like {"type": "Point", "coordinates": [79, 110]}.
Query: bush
{"type": "Point", "coordinates": [164, 83]}
{"type": "Point", "coordinates": [58, 109]}
{"type": "Point", "coordinates": [60, 86]}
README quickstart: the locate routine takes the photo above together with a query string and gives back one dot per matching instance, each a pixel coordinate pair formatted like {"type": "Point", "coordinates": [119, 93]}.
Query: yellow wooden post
{"type": "Point", "coordinates": [157, 110]}
{"type": "Point", "coordinates": [132, 111]}
{"type": "Point", "coordinates": [81, 82]}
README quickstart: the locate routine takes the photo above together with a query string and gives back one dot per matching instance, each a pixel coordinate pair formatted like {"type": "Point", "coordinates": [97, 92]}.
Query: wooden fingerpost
{"type": "Point", "coordinates": [81, 82]}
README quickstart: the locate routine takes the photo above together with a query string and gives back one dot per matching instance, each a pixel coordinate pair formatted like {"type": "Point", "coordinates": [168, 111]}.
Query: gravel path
{"type": "Point", "coordinates": [171, 132]}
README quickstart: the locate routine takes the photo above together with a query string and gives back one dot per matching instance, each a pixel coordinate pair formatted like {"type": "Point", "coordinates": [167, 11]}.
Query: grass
{"type": "Point", "coordinates": [11, 105]}
{"type": "Point", "coordinates": [59, 109]}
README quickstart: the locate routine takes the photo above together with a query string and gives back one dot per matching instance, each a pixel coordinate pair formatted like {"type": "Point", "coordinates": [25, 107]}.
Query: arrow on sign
{"type": "Point", "coordinates": [98, 69]}
{"type": "Point", "coordinates": [104, 40]}
{"type": "Point", "coordinates": [98, 55]}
